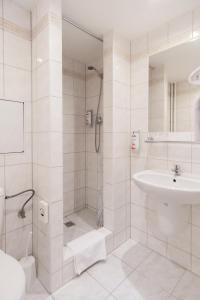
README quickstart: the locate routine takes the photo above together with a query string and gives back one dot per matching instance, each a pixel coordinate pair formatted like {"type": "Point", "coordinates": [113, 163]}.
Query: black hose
{"type": "Point", "coordinates": [21, 212]}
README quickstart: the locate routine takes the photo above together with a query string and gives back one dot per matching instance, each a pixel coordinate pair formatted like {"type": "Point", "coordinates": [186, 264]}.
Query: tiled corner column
{"type": "Point", "coordinates": [116, 148]}
{"type": "Point", "coordinates": [139, 121]}
{"type": "Point", "coordinates": [47, 139]}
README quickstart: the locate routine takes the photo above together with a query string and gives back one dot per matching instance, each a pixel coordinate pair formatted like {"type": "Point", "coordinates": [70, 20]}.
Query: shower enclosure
{"type": "Point", "coordinates": [82, 131]}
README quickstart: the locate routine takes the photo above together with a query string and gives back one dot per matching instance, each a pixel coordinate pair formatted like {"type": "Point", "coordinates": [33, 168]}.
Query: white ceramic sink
{"type": "Point", "coordinates": [169, 189]}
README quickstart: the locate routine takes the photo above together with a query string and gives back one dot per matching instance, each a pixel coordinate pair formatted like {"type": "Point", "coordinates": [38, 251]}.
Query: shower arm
{"type": "Point", "coordinates": [21, 213]}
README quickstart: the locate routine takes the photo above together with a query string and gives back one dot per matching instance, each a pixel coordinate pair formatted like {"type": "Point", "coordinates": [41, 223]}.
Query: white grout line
{"type": "Point", "coordinates": [133, 270]}
{"type": "Point", "coordinates": [179, 280]}
{"type": "Point", "coordinates": [110, 293]}
{"type": "Point", "coordinates": [98, 283]}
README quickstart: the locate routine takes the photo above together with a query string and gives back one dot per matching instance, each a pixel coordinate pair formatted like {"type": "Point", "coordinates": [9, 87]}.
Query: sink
{"type": "Point", "coordinates": [172, 197]}
{"type": "Point", "coordinates": [169, 189]}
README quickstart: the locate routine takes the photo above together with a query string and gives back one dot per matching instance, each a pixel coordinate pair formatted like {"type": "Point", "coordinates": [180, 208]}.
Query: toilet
{"type": "Point", "coordinates": [12, 277]}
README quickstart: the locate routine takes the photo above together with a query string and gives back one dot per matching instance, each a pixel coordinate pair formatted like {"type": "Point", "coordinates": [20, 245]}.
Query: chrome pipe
{"type": "Point", "coordinates": [68, 20]}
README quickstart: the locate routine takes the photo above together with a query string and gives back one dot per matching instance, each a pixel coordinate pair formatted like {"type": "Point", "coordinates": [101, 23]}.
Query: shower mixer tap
{"type": "Point", "coordinates": [99, 120]}
{"type": "Point", "coordinates": [89, 117]}
{"type": "Point", "coordinates": [176, 170]}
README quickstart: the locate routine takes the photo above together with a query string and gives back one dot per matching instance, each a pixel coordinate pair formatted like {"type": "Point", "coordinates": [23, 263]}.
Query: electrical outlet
{"type": "Point", "coordinates": [43, 212]}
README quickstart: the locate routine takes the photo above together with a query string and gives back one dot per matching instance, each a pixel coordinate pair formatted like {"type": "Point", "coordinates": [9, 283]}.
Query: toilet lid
{"type": "Point", "coordinates": [12, 278]}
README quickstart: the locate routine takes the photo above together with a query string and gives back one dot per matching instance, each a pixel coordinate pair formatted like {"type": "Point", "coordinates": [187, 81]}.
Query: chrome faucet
{"type": "Point", "coordinates": [176, 170]}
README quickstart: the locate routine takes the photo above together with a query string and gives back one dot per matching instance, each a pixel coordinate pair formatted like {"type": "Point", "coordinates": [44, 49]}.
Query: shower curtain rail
{"type": "Point", "coordinates": [66, 19]}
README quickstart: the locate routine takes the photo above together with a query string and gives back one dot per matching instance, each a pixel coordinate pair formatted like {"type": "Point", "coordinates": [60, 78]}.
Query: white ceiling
{"type": "Point", "coordinates": [178, 62]}
{"type": "Point", "coordinates": [129, 17]}
{"type": "Point", "coordinates": [25, 3]}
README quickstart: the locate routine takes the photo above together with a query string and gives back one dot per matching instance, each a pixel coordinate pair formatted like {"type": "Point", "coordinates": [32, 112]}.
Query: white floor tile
{"type": "Point", "coordinates": [81, 288]}
{"type": "Point", "coordinates": [154, 279]}
{"type": "Point", "coordinates": [161, 269]}
{"type": "Point", "coordinates": [72, 233]}
{"type": "Point", "coordinates": [85, 221]}
{"type": "Point", "coordinates": [132, 253]}
{"type": "Point", "coordinates": [188, 287]}
{"type": "Point", "coordinates": [110, 273]}
{"type": "Point", "coordinates": [138, 287]}
{"type": "Point", "coordinates": [37, 292]}
{"type": "Point", "coordinates": [110, 297]}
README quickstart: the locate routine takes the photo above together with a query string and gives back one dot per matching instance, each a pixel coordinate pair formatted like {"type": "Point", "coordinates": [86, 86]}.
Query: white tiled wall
{"type": "Point", "coordinates": [82, 165]}
{"type": "Point", "coordinates": [15, 84]}
{"type": "Point", "coordinates": [116, 147]}
{"type": "Point", "coordinates": [94, 162]}
{"type": "Point", "coordinates": [184, 248]}
{"type": "Point", "coordinates": [74, 139]}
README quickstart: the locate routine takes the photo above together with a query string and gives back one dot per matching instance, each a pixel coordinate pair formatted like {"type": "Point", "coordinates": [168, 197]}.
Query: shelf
{"type": "Point", "coordinates": [171, 142]}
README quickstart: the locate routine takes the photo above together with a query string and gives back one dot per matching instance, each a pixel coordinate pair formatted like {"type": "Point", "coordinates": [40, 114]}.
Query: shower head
{"type": "Point", "coordinates": [91, 68]}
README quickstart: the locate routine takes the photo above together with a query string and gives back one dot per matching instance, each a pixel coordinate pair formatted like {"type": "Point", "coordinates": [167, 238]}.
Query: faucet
{"type": "Point", "coordinates": [176, 170]}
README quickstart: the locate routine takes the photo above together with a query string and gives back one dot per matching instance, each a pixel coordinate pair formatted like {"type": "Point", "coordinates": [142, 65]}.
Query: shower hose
{"type": "Point", "coordinates": [98, 122]}
{"type": "Point", "coordinates": [21, 212]}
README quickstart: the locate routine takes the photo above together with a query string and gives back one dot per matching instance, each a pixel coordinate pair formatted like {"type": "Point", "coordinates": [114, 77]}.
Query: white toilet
{"type": "Point", "coordinates": [12, 277]}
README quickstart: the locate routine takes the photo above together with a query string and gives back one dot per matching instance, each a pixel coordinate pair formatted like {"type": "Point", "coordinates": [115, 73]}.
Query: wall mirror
{"type": "Point", "coordinates": [11, 126]}
{"type": "Point", "coordinates": [172, 94]}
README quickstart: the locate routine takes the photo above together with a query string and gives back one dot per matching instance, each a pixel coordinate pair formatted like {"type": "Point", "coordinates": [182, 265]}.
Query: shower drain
{"type": "Point", "coordinates": [69, 224]}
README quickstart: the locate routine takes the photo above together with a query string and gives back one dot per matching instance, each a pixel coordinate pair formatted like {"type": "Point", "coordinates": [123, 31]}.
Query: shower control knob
{"type": "Point", "coordinates": [99, 120]}
{"type": "Point", "coordinates": [89, 117]}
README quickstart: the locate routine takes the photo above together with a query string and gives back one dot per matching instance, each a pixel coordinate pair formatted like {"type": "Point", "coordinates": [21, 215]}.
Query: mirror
{"type": "Point", "coordinates": [11, 126]}
{"type": "Point", "coordinates": [172, 98]}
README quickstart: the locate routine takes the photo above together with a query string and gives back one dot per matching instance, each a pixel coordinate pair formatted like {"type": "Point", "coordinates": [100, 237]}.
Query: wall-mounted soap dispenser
{"type": "Point", "coordinates": [135, 141]}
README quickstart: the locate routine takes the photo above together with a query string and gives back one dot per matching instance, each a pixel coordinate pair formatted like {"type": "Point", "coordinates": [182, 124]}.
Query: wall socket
{"type": "Point", "coordinates": [43, 212]}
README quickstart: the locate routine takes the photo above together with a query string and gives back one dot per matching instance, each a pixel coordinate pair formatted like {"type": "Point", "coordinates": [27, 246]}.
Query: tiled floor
{"type": "Point", "coordinates": [132, 272]}
{"type": "Point", "coordinates": [85, 221]}
{"type": "Point", "coordinates": [38, 293]}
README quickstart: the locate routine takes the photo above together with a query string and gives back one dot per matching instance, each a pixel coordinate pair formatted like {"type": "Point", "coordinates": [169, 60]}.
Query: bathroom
{"type": "Point", "coordinates": [99, 150]}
